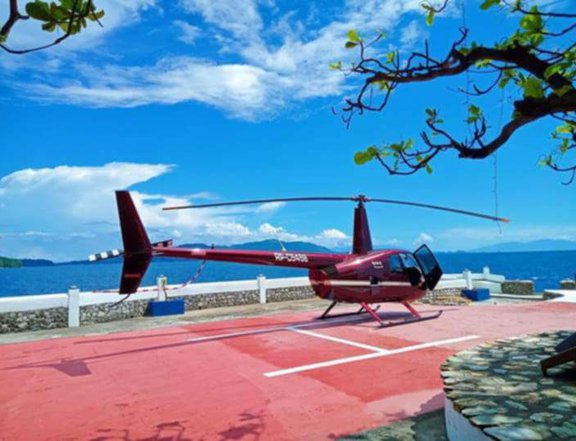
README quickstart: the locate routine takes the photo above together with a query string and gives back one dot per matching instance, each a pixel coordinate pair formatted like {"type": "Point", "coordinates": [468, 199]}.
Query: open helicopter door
{"type": "Point", "coordinates": [430, 266]}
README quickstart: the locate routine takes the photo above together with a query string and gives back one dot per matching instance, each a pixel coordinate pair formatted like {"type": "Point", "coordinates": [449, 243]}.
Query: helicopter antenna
{"type": "Point", "coordinates": [281, 244]}
{"type": "Point", "coordinates": [359, 199]}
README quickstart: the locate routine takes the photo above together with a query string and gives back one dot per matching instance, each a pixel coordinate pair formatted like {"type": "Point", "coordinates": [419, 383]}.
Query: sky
{"type": "Point", "coordinates": [197, 101]}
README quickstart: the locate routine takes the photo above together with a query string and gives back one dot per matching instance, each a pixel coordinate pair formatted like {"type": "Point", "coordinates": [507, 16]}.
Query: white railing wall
{"type": "Point", "coordinates": [74, 298]}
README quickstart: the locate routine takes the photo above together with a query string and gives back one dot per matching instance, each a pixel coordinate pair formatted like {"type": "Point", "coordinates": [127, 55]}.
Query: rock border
{"type": "Point", "coordinates": [497, 391]}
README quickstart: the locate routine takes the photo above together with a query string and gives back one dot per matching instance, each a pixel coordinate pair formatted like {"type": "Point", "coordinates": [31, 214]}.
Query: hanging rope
{"type": "Point", "coordinates": [500, 119]}
{"type": "Point", "coordinates": [467, 73]}
{"type": "Point", "coordinates": [164, 287]}
{"type": "Point", "coordinates": [495, 164]}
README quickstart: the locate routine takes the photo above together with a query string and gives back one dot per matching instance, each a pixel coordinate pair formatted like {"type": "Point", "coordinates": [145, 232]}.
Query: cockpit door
{"type": "Point", "coordinates": [430, 267]}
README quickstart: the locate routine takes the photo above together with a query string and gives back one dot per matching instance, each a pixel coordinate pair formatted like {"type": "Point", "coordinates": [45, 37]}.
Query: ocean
{"type": "Point", "coordinates": [545, 268]}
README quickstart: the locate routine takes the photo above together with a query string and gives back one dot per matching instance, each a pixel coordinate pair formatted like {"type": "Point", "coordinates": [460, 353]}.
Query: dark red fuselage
{"type": "Point", "coordinates": [362, 276]}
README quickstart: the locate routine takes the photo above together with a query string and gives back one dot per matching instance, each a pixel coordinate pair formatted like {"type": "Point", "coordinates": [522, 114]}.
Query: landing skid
{"type": "Point", "coordinates": [325, 315]}
{"type": "Point", "coordinates": [367, 309]}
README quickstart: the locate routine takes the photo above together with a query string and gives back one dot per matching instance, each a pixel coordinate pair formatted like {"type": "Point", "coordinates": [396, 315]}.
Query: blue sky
{"type": "Point", "coordinates": [198, 100]}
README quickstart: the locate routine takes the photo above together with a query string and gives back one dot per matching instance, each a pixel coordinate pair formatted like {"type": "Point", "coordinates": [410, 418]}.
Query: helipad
{"type": "Point", "coordinates": [276, 377]}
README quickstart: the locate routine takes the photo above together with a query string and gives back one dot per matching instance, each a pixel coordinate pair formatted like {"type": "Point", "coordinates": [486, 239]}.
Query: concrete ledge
{"type": "Point", "coordinates": [532, 297]}
{"type": "Point", "coordinates": [458, 427]}
{"type": "Point", "coordinates": [560, 295]}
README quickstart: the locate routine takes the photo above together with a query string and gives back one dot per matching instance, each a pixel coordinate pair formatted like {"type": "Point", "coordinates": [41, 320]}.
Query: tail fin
{"type": "Point", "coordinates": [137, 247]}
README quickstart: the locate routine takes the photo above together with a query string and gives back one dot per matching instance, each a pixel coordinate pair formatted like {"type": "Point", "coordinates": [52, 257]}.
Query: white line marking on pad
{"type": "Point", "coordinates": [340, 340]}
{"type": "Point", "coordinates": [346, 360]}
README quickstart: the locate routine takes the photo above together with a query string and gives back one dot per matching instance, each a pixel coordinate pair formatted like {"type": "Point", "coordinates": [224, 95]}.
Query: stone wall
{"type": "Point", "coordinates": [446, 296]}
{"type": "Point", "coordinates": [33, 320]}
{"type": "Point", "coordinates": [102, 313]}
{"type": "Point", "coordinates": [288, 294]}
{"type": "Point", "coordinates": [518, 287]}
{"type": "Point", "coordinates": [221, 299]}
{"type": "Point", "coordinates": [567, 284]}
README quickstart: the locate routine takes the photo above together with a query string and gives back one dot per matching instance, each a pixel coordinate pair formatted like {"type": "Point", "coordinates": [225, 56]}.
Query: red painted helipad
{"type": "Point", "coordinates": [280, 377]}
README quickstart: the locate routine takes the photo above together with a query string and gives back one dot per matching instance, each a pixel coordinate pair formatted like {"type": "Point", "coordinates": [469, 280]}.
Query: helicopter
{"type": "Point", "coordinates": [363, 276]}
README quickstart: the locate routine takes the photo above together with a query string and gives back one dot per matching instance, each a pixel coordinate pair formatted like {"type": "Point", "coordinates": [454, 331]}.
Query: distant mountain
{"type": "Point", "coordinates": [263, 245]}
{"type": "Point", "coordinates": [534, 245]}
{"type": "Point", "coordinates": [267, 245]}
{"type": "Point", "coordinates": [37, 262]}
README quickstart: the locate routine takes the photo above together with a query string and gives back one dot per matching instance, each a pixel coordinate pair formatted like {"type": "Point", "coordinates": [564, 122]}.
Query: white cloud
{"type": "Point", "coordinates": [422, 239]}
{"type": "Point", "coordinates": [276, 63]}
{"type": "Point", "coordinates": [412, 34]}
{"type": "Point", "coordinates": [270, 207]}
{"type": "Point", "coordinates": [240, 17]}
{"type": "Point", "coordinates": [241, 89]}
{"type": "Point", "coordinates": [68, 212]}
{"type": "Point", "coordinates": [332, 233]}
{"type": "Point", "coordinates": [188, 33]}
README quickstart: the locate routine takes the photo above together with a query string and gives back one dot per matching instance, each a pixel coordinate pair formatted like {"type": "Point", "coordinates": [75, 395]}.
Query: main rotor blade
{"type": "Point", "coordinates": [261, 201]}
{"type": "Point", "coordinates": [359, 198]}
{"type": "Point", "coordinates": [437, 207]}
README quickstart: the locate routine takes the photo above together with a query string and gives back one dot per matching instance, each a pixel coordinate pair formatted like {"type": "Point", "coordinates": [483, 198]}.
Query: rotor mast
{"type": "Point", "coordinates": [362, 239]}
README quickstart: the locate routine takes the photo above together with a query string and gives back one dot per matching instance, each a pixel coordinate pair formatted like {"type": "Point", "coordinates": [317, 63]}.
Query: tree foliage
{"type": "Point", "coordinates": [536, 65]}
{"type": "Point", "coordinates": [65, 17]}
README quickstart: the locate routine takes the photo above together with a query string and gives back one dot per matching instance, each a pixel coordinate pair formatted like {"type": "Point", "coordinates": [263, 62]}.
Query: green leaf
{"type": "Point", "coordinates": [39, 10]}
{"type": "Point", "coordinates": [350, 45]}
{"type": "Point", "coordinates": [563, 90]}
{"type": "Point", "coordinates": [353, 36]}
{"type": "Point", "coordinates": [430, 17]}
{"type": "Point", "coordinates": [372, 151]}
{"type": "Point", "coordinates": [532, 22]}
{"type": "Point", "coordinates": [360, 158]}
{"type": "Point", "coordinates": [565, 128]}
{"type": "Point", "coordinates": [335, 66]}
{"type": "Point", "coordinates": [503, 82]}
{"type": "Point", "coordinates": [552, 70]}
{"type": "Point", "coordinates": [474, 113]}
{"type": "Point", "coordinates": [67, 4]}
{"type": "Point", "coordinates": [49, 27]}
{"type": "Point", "coordinates": [489, 3]}
{"type": "Point", "coordinates": [383, 85]}
{"type": "Point", "coordinates": [428, 169]}
{"type": "Point", "coordinates": [533, 88]}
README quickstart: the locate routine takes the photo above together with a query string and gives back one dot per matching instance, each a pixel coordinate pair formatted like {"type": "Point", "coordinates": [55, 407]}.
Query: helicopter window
{"type": "Point", "coordinates": [395, 264]}
{"type": "Point", "coordinates": [408, 261]}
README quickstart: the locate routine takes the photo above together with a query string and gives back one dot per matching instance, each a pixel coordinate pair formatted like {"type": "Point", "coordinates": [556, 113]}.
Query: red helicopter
{"type": "Point", "coordinates": [364, 276]}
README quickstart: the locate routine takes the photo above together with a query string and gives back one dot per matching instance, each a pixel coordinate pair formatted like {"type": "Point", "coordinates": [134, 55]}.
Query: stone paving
{"type": "Point", "coordinates": [499, 387]}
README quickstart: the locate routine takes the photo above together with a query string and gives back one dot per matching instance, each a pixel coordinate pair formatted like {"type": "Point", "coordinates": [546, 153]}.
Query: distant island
{"type": "Point", "coordinates": [534, 245]}
{"type": "Point", "coordinates": [8, 262]}
{"type": "Point", "coordinates": [301, 247]}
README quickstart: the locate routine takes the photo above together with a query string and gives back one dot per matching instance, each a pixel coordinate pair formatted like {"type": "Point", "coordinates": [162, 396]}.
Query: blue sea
{"type": "Point", "coordinates": [545, 268]}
